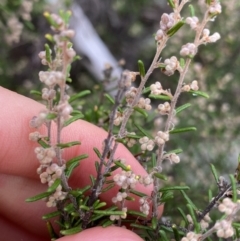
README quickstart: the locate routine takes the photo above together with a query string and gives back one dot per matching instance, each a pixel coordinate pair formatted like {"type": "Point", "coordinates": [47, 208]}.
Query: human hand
{"type": "Point", "coordinates": [18, 178]}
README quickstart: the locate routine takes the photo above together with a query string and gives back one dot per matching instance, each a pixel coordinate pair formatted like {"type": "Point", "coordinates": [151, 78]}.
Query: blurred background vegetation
{"type": "Point", "coordinates": [127, 28]}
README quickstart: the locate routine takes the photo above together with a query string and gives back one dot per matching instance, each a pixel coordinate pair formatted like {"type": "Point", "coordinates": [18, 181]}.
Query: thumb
{"type": "Point", "coordinates": [103, 234]}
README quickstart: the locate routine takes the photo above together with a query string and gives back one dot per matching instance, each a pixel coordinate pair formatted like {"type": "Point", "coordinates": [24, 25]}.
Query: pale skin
{"type": "Point", "coordinates": [18, 178]}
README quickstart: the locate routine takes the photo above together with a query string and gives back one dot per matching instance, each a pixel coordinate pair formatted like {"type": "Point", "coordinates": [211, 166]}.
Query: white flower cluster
{"type": "Point", "coordinates": [191, 236]}
{"type": "Point", "coordinates": [193, 86]}
{"type": "Point", "coordinates": [120, 197]}
{"type": "Point", "coordinates": [126, 179]}
{"type": "Point", "coordinates": [26, 9]}
{"type": "Point", "coordinates": [164, 108]}
{"type": "Point", "coordinates": [14, 30]}
{"type": "Point", "coordinates": [161, 138]}
{"type": "Point", "coordinates": [172, 64]}
{"type": "Point", "coordinates": [117, 217]}
{"type": "Point", "coordinates": [189, 49]}
{"type": "Point", "coordinates": [146, 144]}
{"type": "Point", "coordinates": [45, 155]}
{"type": "Point", "coordinates": [167, 21]}
{"type": "Point", "coordinates": [204, 223]}
{"type": "Point", "coordinates": [35, 136]}
{"type": "Point", "coordinates": [37, 121]}
{"type": "Point", "coordinates": [210, 39]}
{"type": "Point", "coordinates": [144, 103]}
{"type": "Point", "coordinates": [56, 196]}
{"type": "Point", "coordinates": [64, 109]}
{"type": "Point", "coordinates": [147, 180]}
{"type": "Point", "coordinates": [118, 118]}
{"type": "Point", "coordinates": [48, 94]}
{"type": "Point", "coordinates": [51, 78]}
{"type": "Point", "coordinates": [131, 141]}
{"type": "Point", "coordinates": [144, 206]}
{"type": "Point", "coordinates": [172, 157]}
{"type": "Point", "coordinates": [49, 172]}
{"type": "Point", "coordinates": [215, 7]}
{"type": "Point", "coordinates": [227, 206]}
{"type": "Point", "coordinates": [128, 77]}
{"type": "Point", "coordinates": [224, 229]}
{"type": "Point", "coordinates": [156, 89]}
{"type": "Point", "coordinates": [130, 95]}
{"type": "Point", "coordinates": [193, 22]}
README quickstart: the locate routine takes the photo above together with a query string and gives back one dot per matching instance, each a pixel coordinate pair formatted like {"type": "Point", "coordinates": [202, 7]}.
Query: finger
{"type": "Point", "coordinates": [104, 234]}
{"type": "Point", "coordinates": [17, 156]}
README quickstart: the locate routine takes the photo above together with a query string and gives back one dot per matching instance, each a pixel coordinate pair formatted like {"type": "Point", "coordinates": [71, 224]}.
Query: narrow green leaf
{"type": "Point", "coordinates": [192, 10]}
{"type": "Point", "coordinates": [171, 3]}
{"type": "Point", "coordinates": [109, 97]}
{"type": "Point", "coordinates": [108, 213]}
{"type": "Point", "coordinates": [210, 196]}
{"type": "Point", "coordinates": [175, 28]}
{"type": "Point", "coordinates": [146, 90]}
{"type": "Point", "coordinates": [176, 151]}
{"type": "Point", "coordinates": [92, 178]}
{"type": "Point", "coordinates": [182, 107]}
{"type": "Point", "coordinates": [141, 68]}
{"type": "Point", "coordinates": [54, 186]}
{"type": "Point", "coordinates": [71, 231]}
{"type": "Point", "coordinates": [159, 97]}
{"type": "Point", "coordinates": [69, 208]}
{"type": "Point", "coordinates": [160, 176]}
{"type": "Point", "coordinates": [193, 216]}
{"type": "Point", "coordinates": [48, 53]}
{"type": "Point", "coordinates": [107, 223]}
{"type": "Point", "coordinates": [35, 92]}
{"type": "Point", "coordinates": [154, 222]}
{"type": "Point", "coordinates": [76, 159]}
{"type": "Point", "coordinates": [180, 130]}
{"type": "Point", "coordinates": [79, 95]}
{"type": "Point", "coordinates": [83, 207]}
{"type": "Point", "coordinates": [175, 232]}
{"type": "Point", "coordinates": [121, 165]}
{"type": "Point", "coordinates": [154, 160]}
{"type": "Point", "coordinates": [51, 116]}
{"type": "Point", "coordinates": [133, 136]}
{"type": "Point", "coordinates": [69, 170]}
{"type": "Point", "coordinates": [98, 153]}
{"type": "Point", "coordinates": [179, 188]}
{"type": "Point", "coordinates": [199, 93]}
{"type": "Point", "coordinates": [43, 144]}
{"type": "Point", "coordinates": [76, 112]}
{"type": "Point", "coordinates": [96, 165]}
{"type": "Point", "coordinates": [38, 197]}
{"type": "Point", "coordinates": [130, 198]}
{"type": "Point", "coordinates": [134, 225]}
{"type": "Point", "coordinates": [51, 215]}
{"type": "Point", "coordinates": [100, 205]}
{"type": "Point", "coordinates": [143, 131]}
{"type": "Point", "coordinates": [166, 196]}
{"type": "Point", "coordinates": [163, 235]}
{"type": "Point", "coordinates": [234, 188]}
{"type": "Point", "coordinates": [110, 186]}
{"type": "Point", "coordinates": [141, 111]}
{"type": "Point", "coordinates": [136, 213]}
{"type": "Point", "coordinates": [182, 62]}
{"type": "Point", "coordinates": [51, 231]}
{"type": "Point", "coordinates": [189, 201]}
{"type": "Point", "coordinates": [68, 144]}
{"type": "Point", "coordinates": [214, 172]}
{"type": "Point", "coordinates": [137, 193]}
{"type": "Point", "coordinates": [184, 216]}
{"type": "Point", "coordinates": [73, 119]}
